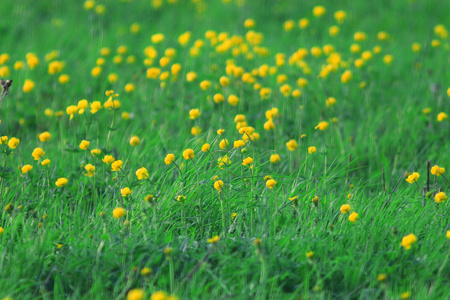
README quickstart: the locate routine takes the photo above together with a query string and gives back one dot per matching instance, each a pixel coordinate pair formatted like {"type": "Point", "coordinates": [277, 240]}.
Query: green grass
{"type": "Point", "coordinates": [64, 243]}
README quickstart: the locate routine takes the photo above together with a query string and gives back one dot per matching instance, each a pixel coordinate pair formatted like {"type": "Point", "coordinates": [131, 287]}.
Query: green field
{"type": "Point", "coordinates": [234, 149]}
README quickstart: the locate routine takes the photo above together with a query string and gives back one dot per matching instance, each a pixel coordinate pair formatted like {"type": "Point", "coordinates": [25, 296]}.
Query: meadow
{"type": "Point", "coordinates": [226, 149]}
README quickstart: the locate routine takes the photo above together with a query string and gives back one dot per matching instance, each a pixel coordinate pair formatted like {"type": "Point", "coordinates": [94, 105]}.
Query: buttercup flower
{"type": "Point", "coordinates": [108, 159]}
{"type": "Point", "coordinates": [116, 165]}
{"type": "Point", "coordinates": [84, 144]}
{"type": "Point", "coordinates": [134, 141]}
{"type": "Point", "coordinates": [413, 177]}
{"type": "Point", "coordinates": [440, 197]}
{"type": "Point", "coordinates": [45, 136]}
{"type": "Point", "coordinates": [353, 216]}
{"type": "Point", "coordinates": [188, 154]}
{"type": "Point", "coordinates": [13, 143]}
{"type": "Point", "coordinates": [247, 161]}
{"type": "Point", "coordinates": [275, 158]}
{"type": "Point", "coordinates": [271, 183]}
{"type": "Point", "coordinates": [142, 173]}
{"type": "Point", "coordinates": [119, 212]}
{"type": "Point", "coordinates": [291, 145]}
{"type": "Point", "coordinates": [408, 240]}
{"type": "Point", "coordinates": [312, 149]}
{"type": "Point", "coordinates": [125, 191]}
{"type": "Point", "coordinates": [322, 125]}
{"type": "Point", "coordinates": [205, 147]}
{"type": "Point", "coordinates": [26, 169]}
{"type": "Point", "coordinates": [61, 182]}
{"type": "Point", "coordinates": [218, 185]}
{"type": "Point", "coordinates": [169, 158]}
{"type": "Point", "coordinates": [37, 153]}
{"type": "Point", "coordinates": [345, 208]}
{"type": "Point", "coordinates": [438, 171]}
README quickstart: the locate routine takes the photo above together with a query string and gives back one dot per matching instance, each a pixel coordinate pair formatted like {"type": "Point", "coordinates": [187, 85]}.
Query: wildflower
{"type": "Point", "coordinates": [218, 185]}
{"type": "Point", "coordinates": [118, 212]}
{"type": "Point", "coordinates": [312, 149]}
{"type": "Point", "coordinates": [142, 173]}
{"type": "Point", "coordinates": [116, 165]}
{"type": "Point", "coordinates": [330, 101]}
{"type": "Point", "coordinates": [194, 113]}
{"type": "Point", "coordinates": [157, 38]}
{"type": "Point", "coordinates": [438, 171]}
{"type": "Point", "coordinates": [413, 177]}
{"type": "Point", "coordinates": [223, 144]}
{"type": "Point", "coordinates": [346, 76]}
{"type": "Point", "coordinates": [387, 59]}
{"type": "Point", "coordinates": [269, 125]}
{"type": "Point", "coordinates": [223, 161]}
{"type": "Point", "coordinates": [214, 240]}
{"type": "Point", "coordinates": [61, 182]}
{"type": "Point", "coordinates": [448, 234]}
{"type": "Point", "coordinates": [26, 169]}
{"type": "Point", "coordinates": [28, 86]}
{"type": "Point", "coordinates": [188, 154]}
{"type": "Point", "coordinates": [205, 147]}
{"type": "Point", "coordinates": [84, 144]}
{"type": "Point", "coordinates": [247, 161]}
{"type": "Point", "coordinates": [169, 158]}
{"type": "Point", "coordinates": [441, 116]}
{"type": "Point", "coordinates": [408, 240]}
{"type": "Point", "coordinates": [13, 142]}
{"type": "Point", "coordinates": [181, 198]}
{"type": "Point", "coordinates": [322, 125]}
{"type": "Point", "coordinates": [353, 216]}
{"type": "Point", "coordinates": [340, 16]}
{"type": "Point", "coordinates": [1, 230]}
{"type": "Point", "coordinates": [238, 143]}
{"type": "Point", "coordinates": [107, 159]}
{"type": "Point", "coordinates": [359, 36]}
{"type": "Point", "coordinates": [440, 197]}
{"type": "Point", "coordinates": [319, 11]}
{"type": "Point", "coordinates": [45, 162]}
{"type": "Point", "coordinates": [382, 277]}
{"type": "Point", "coordinates": [271, 183]}
{"type": "Point", "coordinates": [38, 153]}
{"type": "Point", "coordinates": [205, 84]}
{"type": "Point", "coordinates": [95, 106]}
{"type": "Point", "coordinates": [191, 76]}
{"type": "Point", "coordinates": [345, 208]}
{"type": "Point", "coordinates": [275, 158]}
{"type": "Point", "coordinates": [315, 200]}
{"type": "Point", "coordinates": [95, 152]}
{"type": "Point", "coordinates": [291, 145]}
{"type": "Point", "coordinates": [303, 23]}
{"type": "Point", "coordinates": [90, 170]}
{"type": "Point", "coordinates": [125, 191]}
{"type": "Point", "coordinates": [146, 271]}
{"type": "Point", "coordinates": [134, 141]}
{"type": "Point", "coordinates": [310, 254]}
{"type": "Point", "coordinates": [218, 98]}
{"type": "Point", "coordinates": [405, 295]}
{"type": "Point", "coordinates": [233, 100]}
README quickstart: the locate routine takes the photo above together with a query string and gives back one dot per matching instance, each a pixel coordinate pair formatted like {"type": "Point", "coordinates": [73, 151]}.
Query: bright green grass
{"type": "Point", "coordinates": [380, 127]}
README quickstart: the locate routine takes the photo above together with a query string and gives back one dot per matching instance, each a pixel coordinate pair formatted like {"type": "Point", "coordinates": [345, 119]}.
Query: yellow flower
{"type": "Point", "coordinates": [63, 79]}
{"type": "Point", "coordinates": [134, 141]}
{"type": "Point", "coordinates": [353, 216]}
{"type": "Point", "coordinates": [28, 86]}
{"type": "Point", "coordinates": [218, 185]}
{"type": "Point", "coordinates": [310, 254]}
{"type": "Point", "coordinates": [108, 159]}
{"type": "Point", "coordinates": [194, 113]}
{"type": "Point", "coordinates": [142, 173]}
{"type": "Point", "coordinates": [129, 87]}
{"type": "Point", "coordinates": [119, 212]}
{"type": "Point", "coordinates": [247, 161]}
{"type": "Point", "coordinates": [346, 76]}
{"type": "Point", "coordinates": [214, 240]}
{"type": "Point", "coordinates": [157, 38]}
{"type": "Point", "coordinates": [322, 125]}
{"type": "Point", "coordinates": [205, 147]}
{"type": "Point", "coordinates": [291, 145]}
{"type": "Point", "coordinates": [359, 36]}
{"type": "Point", "coordinates": [191, 76]}
{"type": "Point", "coordinates": [438, 171]}
{"type": "Point", "coordinates": [116, 165]}
{"type": "Point", "coordinates": [312, 149]}
{"type": "Point", "coordinates": [45, 136]}
{"type": "Point", "coordinates": [90, 170]}
{"type": "Point", "coordinates": [205, 84]}
{"type": "Point", "coordinates": [233, 100]}
{"type": "Point", "coordinates": [233, 216]}
{"type": "Point", "coordinates": [271, 183]}
{"type": "Point", "coordinates": [408, 240]}
{"type": "Point", "coordinates": [146, 271]}
{"type": "Point", "coordinates": [405, 295]}
{"type": "Point", "coordinates": [319, 11]}
{"type": "Point", "coordinates": [289, 25]}
{"type": "Point", "coordinates": [441, 116]}
{"type": "Point", "coordinates": [26, 169]}
{"type": "Point", "coordinates": [220, 131]}
{"type": "Point", "coordinates": [223, 144]}
{"type": "Point", "coordinates": [84, 144]}
{"type": "Point", "coordinates": [4, 140]}
{"type": "Point", "coordinates": [218, 98]}
{"type": "Point", "coordinates": [188, 154]}
{"type": "Point", "coordinates": [249, 23]}
{"type": "Point", "coordinates": [413, 177]}
{"type": "Point", "coordinates": [448, 234]}
{"type": "Point", "coordinates": [61, 182]}
{"type": "Point", "coordinates": [440, 197]}
{"type": "Point", "coordinates": [387, 59]}
{"type": "Point", "coordinates": [169, 158]}
{"type": "Point", "coordinates": [55, 67]}
{"type": "Point", "coordinates": [223, 161]}
{"type": "Point", "coordinates": [45, 162]}
{"type": "Point", "coordinates": [238, 143]}
{"type": "Point", "coordinates": [315, 200]}
{"type": "Point", "coordinates": [13, 143]}
{"type": "Point", "coordinates": [275, 158]}
{"type": "Point", "coordinates": [95, 152]}
{"type": "Point", "coordinates": [181, 198]}
{"type": "Point", "coordinates": [382, 277]}
{"type": "Point", "coordinates": [125, 191]}
{"type": "Point", "coordinates": [333, 30]}
{"type": "Point", "coordinates": [37, 153]}
{"type": "Point", "coordinates": [1, 230]}
{"type": "Point", "coordinates": [330, 101]}
{"type": "Point", "coordinates": [303, 23]}
{"type": "Point", "coordinates": [340, 16]}
{"type": "Point", "coordinates": [345, 208]}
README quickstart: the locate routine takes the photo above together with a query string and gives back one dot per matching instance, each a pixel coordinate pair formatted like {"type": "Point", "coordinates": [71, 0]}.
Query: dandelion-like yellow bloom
{"type": "Point", "coordinates": [319, 11]}
{"type": "Point", "coordinates": [440, 197]}
{"type": "Point", "coordinates": [169, 158]}
{"type": "Point", "coordinates": [205, 147]}
{"type": "Point", "coordinates": [218, 98]}
{"type": "Point", "coordinates": [330, 101]}
{"type": "Point", "coordinates": [413, 177]}
{"type": "Point", "coordinates": [125, 191]}
{"type": "Point", "coordinates": [405, 295]}
{"type": "Point", "coordinates": [345, 208]}
{"type": "Point", "coordinates": [310, 254]}
{"type": "Point", "coordinates": [13, 142]}
{"type": "Point", "coordinates": [408, 240]}
{"type": "Point", "coordinates": [382, 277]}
{"type": "Point", "coordinates": [45, 162]}
{"type": "Point", "coordinates": [233, 100]}
{"type": "Point", "coordinates": [194, 113]}
{"type": "Point", "coordinates": [119, 212]}
{"type": "Point", "coordinates": [38, 153]}
{"type": "Point", "coordinates": [312, 150]}
{"type": "Point", "coordinates": [90, 169]}
{"type": "Point", "coordinates": [188, 154]}
{"type": "Point", "coordinates": [61, 182]}
{"type": "Point", "coordinates": [346, 76]}
{"type": "Point", "coordinates": [340, 16]}
{"type": "Point", "coordinates": [275, 158]}
{"type": "Point", "coordinates": [181, 198]}
{"type": "Point", "coordinates": [322, 126]}
{"type": "Point", "coordinates": [218, 185]}
{"type": "Point", "coordinates": [142, 173]}
{"type": "Point", "coordinates": [353, 216]}
{"type": "Point", "coordinates": [213, 240]}
{"type": "Point", "coordinates": [116, 165]}
{"type": "Point", "coordinates": [271, 183]}
{"type": "Point", "coordinates": [134, 141]}
{"type": "Point", "coordinates": [191, 76]}
{"type": "Point", "coordinates": [291, 145]}
{"type": "Point", "coordinates": [438, 171]}
{"type": "Point", "coordinates": [28, 86]}
{"type": "Point", "coordinates": [303, 23]}
{"type": "Point", "coordinates": [247, 161]}
{"type": "Point", "coordinates": [26, 169]}
{"type": "Point", "coordinates": [441, 116]}
{"type": "Point", "coordinates": [107, 159]}
{"type": "Point", "coordinates": [84, 144]}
